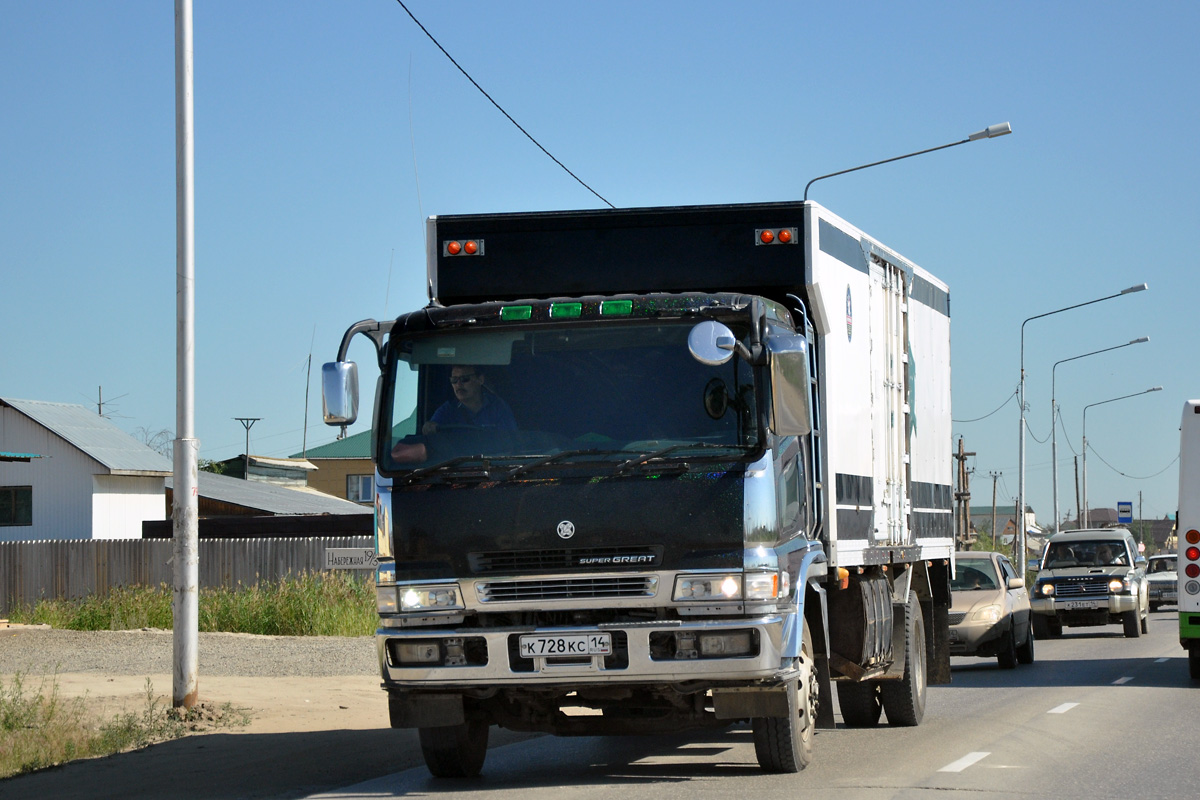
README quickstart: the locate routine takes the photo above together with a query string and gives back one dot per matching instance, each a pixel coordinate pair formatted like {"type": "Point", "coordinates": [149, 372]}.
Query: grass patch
{"type": "Point", "coordinates": [40, 729]}
{"type": "Point", "coordinates": [311, 604]}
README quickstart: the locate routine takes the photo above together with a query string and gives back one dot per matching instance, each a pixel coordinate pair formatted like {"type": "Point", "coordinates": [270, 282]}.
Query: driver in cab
{"type": "Point", "coordinates": [474, 404]}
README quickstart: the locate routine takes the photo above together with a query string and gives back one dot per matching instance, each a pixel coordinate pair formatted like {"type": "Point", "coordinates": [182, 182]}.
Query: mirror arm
{"type": "Point", "coordinates": [375, 331]}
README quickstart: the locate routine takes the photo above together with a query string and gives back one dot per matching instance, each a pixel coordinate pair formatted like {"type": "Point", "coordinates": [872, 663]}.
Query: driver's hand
{"type": "Point", "coordinates": [429, 427]}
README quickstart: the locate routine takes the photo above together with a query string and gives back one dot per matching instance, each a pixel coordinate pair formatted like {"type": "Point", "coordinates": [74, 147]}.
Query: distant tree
{"type": "Point", "coordinates": [216, 467]}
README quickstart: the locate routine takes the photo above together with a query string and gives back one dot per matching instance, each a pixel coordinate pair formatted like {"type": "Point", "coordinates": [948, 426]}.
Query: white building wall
{"type": "Point", "coordinates": [61, 480]}
{"type": "Point", "coordinates": [120, 503]}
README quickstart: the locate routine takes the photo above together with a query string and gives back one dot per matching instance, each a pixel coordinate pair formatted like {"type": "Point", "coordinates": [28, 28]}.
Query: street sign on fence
{"type": "Point", "coordinates": [350, 558]}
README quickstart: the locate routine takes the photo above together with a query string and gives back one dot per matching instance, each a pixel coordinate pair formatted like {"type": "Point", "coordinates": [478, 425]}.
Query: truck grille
{"type": "Point", "coordinates": [525, 561]}
{"type": "Point", "coordinates": [566, 589]}
{"type": "Point", "coordinates": [1081, 587]}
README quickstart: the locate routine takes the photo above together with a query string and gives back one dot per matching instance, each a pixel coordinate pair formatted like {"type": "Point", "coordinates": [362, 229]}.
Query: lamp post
{"type": "Point", "coordinates": [1054, 415]}
{"type": "Point", "coordinates": [990, 132]}
{"type": "Point", "coordinates": [1085, 408]}
{"type": "Point", "coordinates": [1020, 537]}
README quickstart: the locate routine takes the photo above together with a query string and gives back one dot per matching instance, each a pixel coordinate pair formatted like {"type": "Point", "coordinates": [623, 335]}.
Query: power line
{"type": "Point", "coordinates": [985, 416]}
{"type": "Point", "coordinates": [1133, 477]}
{"type": "Point", "coordinates": [497, 105]}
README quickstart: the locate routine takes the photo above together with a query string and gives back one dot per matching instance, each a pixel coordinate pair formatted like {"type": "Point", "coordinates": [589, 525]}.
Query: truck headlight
{"type": "Point", "coordinates": [690, 588]}
{"type": "Point", "coordinates": [408, 599]}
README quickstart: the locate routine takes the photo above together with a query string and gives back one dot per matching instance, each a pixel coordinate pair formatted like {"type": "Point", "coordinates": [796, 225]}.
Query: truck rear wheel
{"type": "Point", "coordinates": [904, 700]}
{"type": "Point", "coordinates": [785, 744]}
{"type": "Point", "coordinates": [1194, 660]}
{"type": "Point", "coordinates": [860, 703]}
{"type": "Point", "coordinates": [455, 751]}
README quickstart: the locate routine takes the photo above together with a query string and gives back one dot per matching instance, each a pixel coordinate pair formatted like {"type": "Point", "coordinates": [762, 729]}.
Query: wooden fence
{"type": "Point", "coordinates": [31, 571]}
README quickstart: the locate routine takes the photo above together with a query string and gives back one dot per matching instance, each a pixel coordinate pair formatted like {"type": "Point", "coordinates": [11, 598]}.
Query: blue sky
{"type": "Point", "coordinates": [327, 131]}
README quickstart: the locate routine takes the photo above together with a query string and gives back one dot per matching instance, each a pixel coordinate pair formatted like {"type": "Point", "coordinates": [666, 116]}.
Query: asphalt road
{"type": "Point", "coordinates": [1097, 716]}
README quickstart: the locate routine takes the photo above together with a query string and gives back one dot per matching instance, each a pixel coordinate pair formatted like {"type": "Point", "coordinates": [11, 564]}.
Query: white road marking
{"type": "Point", "coordinates": [964, 762]}
{"type": "Point", "coordinates": [1064, 708]}
{"type": "Point", "coordinates": [1120, 681]}
{"type": "Point", "coordinates": [1161, 660]}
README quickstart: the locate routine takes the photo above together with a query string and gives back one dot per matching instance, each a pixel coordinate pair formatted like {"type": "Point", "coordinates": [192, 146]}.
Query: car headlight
{"type": "Point", "coordinates": [690, 588]}
{"type": "Point", "coordinates": [1046, 590]}
{"type": "Point", "coordinates": [990, 613]}
{"type": "Point", "coordinates": [409, 599]}
{"type": "Point", "coordinates": [1117, 585]}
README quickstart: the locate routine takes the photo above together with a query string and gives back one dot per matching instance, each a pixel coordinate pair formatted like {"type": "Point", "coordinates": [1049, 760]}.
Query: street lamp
{"type": "Point", "coordinates": [990, 132]}
{"type": "Point", "coordinates": [1085, 408]}
{"type": "Point", "coordinates": [1020, 538]}
{"type": "Point", "coordinates": [1054, 415]}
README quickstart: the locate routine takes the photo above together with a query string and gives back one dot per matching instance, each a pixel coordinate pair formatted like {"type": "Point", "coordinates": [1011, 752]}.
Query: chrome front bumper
{"type": "Point", "coordinates": [502, 667]}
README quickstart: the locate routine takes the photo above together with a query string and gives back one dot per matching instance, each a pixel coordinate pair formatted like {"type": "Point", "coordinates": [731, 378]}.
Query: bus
{"type": "Point", "coordinates": [1187, 523]}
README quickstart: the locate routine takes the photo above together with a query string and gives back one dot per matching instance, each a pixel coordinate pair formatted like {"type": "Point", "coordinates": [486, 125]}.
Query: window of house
{"type": "Point", "coordinates": [360, 488]}
{"type": "Point", "coordinates": [16, 505]}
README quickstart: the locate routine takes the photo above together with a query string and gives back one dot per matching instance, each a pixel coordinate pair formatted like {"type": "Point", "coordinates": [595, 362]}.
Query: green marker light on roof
{"type": "Point", "coordinates": [566, 310]}
{"type": "Point", "coordinates": [510, 313]}
{"type": "Point", "coordinates": [609, 308]}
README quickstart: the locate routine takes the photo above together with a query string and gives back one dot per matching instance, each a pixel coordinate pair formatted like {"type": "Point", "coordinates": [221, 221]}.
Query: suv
{"type": "Point", "coordinates": [1091, 577]}
{"type": "Point", "coordinates": [1163, 582]}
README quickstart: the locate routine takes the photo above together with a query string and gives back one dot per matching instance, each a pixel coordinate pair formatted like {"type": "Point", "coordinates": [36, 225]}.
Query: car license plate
{"type": "Point", "coordinates": [583, 644]}
{"type": "Point", "coordinates": [1084, 605]}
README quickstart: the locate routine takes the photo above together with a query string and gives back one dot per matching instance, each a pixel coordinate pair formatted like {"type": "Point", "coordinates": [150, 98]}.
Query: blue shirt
{"type": "Point", "coordinates": [494, 413]}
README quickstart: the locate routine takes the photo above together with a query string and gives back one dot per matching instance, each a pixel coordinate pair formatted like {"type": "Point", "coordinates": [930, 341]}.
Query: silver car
{"type": "Point", "coordinates": [1162, 584]}
{"type": "Point", "coordinates": [989, 610]}
{"type": "Point", "coordinates": [1091, 577]}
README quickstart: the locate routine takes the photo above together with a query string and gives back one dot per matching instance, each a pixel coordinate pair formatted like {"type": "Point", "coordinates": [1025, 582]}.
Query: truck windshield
{"type": "Point", "coordinates": [530, 399]}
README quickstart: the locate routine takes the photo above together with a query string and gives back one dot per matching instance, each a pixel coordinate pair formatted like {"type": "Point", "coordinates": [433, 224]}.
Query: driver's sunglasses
{"type": "Point", "coordinates": [460, 379]}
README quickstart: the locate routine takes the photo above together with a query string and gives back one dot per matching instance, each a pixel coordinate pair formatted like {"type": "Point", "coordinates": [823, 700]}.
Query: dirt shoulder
{"type": "Point", "coordinates": [306, 734]}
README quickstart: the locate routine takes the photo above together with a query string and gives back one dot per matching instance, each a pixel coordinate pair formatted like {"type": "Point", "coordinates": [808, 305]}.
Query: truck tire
{"type": "Point", "coordinates": [1133, 625]}
{"type": "Point", "coordinates": [1194, 660]}
{"type": "Point", "coordinates": [785, 744]}
{"type": "Point", "coordinates": [904, 700]}
{"type": "Point", "coordinates": [860, 703]}
{"type": "Point", "coordinates": [1025, 651]}
{"type": "Point", "coordinates": [1007, 657]}
{"type": "Point", "coordinates": [455, 751]}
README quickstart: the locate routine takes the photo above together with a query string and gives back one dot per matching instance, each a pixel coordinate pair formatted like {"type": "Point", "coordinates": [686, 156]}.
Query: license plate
{"type": "Point", "coordinates": [583, 644]}
{"type": "Point", "coordinates": [1084, 605]}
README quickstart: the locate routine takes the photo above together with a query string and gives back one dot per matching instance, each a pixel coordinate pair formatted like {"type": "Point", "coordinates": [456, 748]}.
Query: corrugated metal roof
{"type": "Point", "coordinates": [270, 498]}
{"type": "Point", "coordinates": [358, 445]}
{"type": "Point", "coordinates": [94, 435]}
{"type": "Point", "coordinates": [288, 463]}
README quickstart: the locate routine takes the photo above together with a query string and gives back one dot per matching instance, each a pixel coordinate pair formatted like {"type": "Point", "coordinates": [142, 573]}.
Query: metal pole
{"type": "Point", "coordinates": [1021, 396]}
{"type": "Point", "coordinates": [247, 423]}
{"type": "Point", "coordinates": [185, 497]}
{"type": "Point", "coordinates": [1054, 414]}
{"type": "Point", "coordinates": [1086, 518]}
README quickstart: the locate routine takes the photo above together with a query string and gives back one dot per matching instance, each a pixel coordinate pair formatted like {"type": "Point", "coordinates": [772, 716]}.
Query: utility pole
{"type": "Point", "coordinates": [1078, 513]}
{"type": "Point", "coordinates": [962, 498]}
{"type": "Point", "coordinates": [247, 423]}
{"type": "Point", "coordinates": [995, 536]}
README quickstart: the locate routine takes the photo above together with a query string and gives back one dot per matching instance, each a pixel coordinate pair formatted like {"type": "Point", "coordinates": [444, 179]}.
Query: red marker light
{"type": "Point", "coordinates": [1192, 553]}
{"type": "Point", "coordinates": [1193, 570]}
{"type": "Point", "coordinates": [766, 237]}
{"type": "Point", "coordinates": [470, 247]}
{"type": "Point", "coordinates": [1193, 536]}
{"type": "Point", "coordinates": [453, 248]}
{"type": "Point", "coordinates": [785, 236]}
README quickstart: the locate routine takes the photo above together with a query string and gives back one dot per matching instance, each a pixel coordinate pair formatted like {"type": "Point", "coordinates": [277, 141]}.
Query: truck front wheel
{"type": "Point", "coordinates": [904, 700]}
{"type": "Point", "coordinates": [785, 744]}
{"type": "Point", "coordinates": [455, 751]}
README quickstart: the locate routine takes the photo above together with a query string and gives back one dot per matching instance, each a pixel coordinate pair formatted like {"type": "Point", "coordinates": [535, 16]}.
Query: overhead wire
{"type": "Point", "coordinates": [499, 107]}
{"type": "Point", "coordinates": [985, 416]}
{"type": "Point", "coordinates": [1132, 477]}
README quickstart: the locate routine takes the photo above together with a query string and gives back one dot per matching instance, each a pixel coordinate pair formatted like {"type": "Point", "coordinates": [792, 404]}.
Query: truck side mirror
{"type": "Point", "coordinates": [339, 392]}
{"type": "Point", "coordinates": [711, 343]}
{"type": "Point", "coordinates": [790, 385]}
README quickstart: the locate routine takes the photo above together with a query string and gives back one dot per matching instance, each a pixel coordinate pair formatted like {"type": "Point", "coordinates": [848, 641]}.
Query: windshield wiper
{"type": "Point", "coordinates": [647, 457]}
{"type": "Point", "coordinates": [521, 469]}
{"type": "Point", "coordinates": [445, 466]}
